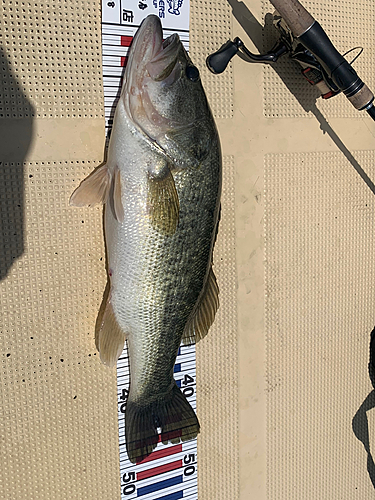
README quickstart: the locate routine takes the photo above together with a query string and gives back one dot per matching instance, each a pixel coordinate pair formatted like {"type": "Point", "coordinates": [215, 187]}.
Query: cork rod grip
{"type": "Point", "coordinates": [295, 15]}
{"type": "Point", "coordinates": [362, 98]}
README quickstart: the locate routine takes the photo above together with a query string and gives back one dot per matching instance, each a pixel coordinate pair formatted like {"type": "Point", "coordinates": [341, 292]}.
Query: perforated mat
{"type": "Point", "coordinates": [217, 367]}
{"type": "Point", "coordinates": [54, 51]}
{"type": "Point", "coordinates": [58, 429]}
{"type": "Point", "coordinates": [320, 311]}
{"type": "Point", "coordinates": [209, 29]}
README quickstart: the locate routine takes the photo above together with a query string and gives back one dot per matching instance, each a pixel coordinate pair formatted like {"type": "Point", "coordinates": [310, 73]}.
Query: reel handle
{"type": "Point", "coordinates": [219, 60]}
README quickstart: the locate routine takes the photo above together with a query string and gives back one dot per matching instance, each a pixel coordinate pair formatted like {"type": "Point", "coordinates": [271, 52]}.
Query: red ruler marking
{"type": "Point", "coordinates": [159, 470]}
{"type": "Point", "coordinates": [162, 453]}
{"type": "Point", "coordinates": [126, 40]}
{"type": "Point", "coordinates": [124, 60]}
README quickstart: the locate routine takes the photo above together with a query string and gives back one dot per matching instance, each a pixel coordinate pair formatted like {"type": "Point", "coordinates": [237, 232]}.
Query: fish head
{"type": "Point", "coordinates": [164, 97]}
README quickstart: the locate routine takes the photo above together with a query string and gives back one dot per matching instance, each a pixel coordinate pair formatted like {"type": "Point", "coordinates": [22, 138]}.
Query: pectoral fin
{"type": "Point", "coordinates": [204, 312]}
{"type": "Point", "coordinates": [117, 202]}
{"type": "Point", "coordinates": [99, 187]}
{"type": "Point", "coordinates": [109, 337]}
{"type": "Point", "coordinates": [163, 202]}
{"type": "Point", "coordinates": [94, 189]}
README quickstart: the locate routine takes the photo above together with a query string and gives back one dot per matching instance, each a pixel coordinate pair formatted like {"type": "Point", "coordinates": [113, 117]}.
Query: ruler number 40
{"type": "Point", "coordinates": [124, 394]}
{"type": "Point", "coordinates": [123, 397]}
{"type": "Point", "coordinates": [187, 391]}
{"type": "Point", "coordinates": [187, 379]}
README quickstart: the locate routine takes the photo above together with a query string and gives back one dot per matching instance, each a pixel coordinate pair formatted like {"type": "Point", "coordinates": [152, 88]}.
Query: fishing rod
{"type": "Point", "coordinates": [302, 37]}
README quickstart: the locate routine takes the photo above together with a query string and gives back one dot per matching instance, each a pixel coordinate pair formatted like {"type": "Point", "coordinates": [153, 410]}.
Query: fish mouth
{"type": "Point", "coordinates": [162, 64]}
{"type": "Point", "coordinates": [150, 59]}
{"type": "Point", "coordinates": [146, 44]}
{"type": "Point", "coordinates": [149, 55]}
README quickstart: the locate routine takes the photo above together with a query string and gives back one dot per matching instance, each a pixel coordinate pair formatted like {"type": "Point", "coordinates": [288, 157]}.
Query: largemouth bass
{"type": "Point", "coordinates": [161, 188]}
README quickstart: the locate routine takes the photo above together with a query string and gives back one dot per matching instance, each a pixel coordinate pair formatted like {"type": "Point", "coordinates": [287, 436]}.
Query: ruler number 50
{"type": "Point", "coordinates": [129, 488]}
{"type": "Point", "coordinates": [189, 459]}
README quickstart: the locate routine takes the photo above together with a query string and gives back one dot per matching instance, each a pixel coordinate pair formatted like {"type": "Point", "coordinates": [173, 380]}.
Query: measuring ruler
{"type": "Point", "coordinates": [170, 471]}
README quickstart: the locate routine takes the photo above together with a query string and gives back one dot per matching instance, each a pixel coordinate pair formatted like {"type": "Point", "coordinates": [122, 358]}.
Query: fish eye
{"type": "Point", "coordinates": [192, 73]}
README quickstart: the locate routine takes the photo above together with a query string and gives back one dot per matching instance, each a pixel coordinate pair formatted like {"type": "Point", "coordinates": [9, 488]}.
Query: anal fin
{"type": "Point", "coordinates": [109, 337]}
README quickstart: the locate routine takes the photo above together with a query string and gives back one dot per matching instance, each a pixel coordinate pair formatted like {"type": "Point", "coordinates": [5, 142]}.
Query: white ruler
{"type": "Point", "coordinates": [170, 472]}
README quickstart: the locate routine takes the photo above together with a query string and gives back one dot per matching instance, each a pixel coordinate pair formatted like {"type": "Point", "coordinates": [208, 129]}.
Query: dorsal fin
{"type": "Point", "coordinates": [204, 312]}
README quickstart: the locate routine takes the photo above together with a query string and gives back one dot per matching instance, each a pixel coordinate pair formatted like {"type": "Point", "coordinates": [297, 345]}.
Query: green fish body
{"type": "Point", "coordinates": [161, 188]}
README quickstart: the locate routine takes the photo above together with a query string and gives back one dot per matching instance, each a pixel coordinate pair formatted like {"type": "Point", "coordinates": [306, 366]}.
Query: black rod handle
{"type": "Point", "coordinates": [338, 68]}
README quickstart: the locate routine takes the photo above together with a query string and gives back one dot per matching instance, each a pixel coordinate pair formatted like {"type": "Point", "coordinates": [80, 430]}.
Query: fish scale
{"type": "Point", "coordinates": [185, 262]}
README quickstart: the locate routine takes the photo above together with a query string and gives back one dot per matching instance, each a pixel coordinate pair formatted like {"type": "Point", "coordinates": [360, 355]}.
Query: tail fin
{"type": "Point", "coordinates": [173, 414]}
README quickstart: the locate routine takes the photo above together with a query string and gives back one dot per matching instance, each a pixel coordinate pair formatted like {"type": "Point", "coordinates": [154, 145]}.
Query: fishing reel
{"type": "Point", "coordinates": [318, 71]}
